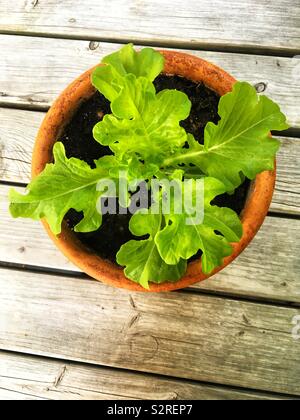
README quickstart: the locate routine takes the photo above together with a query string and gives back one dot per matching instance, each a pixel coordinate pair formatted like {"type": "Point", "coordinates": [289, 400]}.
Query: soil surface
{"type": "Point", "coordinates": [79, 142]}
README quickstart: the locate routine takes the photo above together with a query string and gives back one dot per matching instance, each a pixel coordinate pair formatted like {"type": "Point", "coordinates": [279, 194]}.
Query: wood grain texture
{"type": "Point", "coordinates": [181, 335]}
{"type": "Point", "coordinates": [184, 335]}
{"type": "Point", "coordinates": [7, 395]}
{"type": "Point", "coordinates": [29, 239]}
{"type": "Point", "coordinates": [18, 130]}
{"type": "Point", "coordinates": [286, 197]}
{"type": "Point", "coordinates": [251, 24]}
{"type": "Point", "coordinates": [25, 377]}
{"type": "Point", "coordinates": [35, 70]}
{"type": "Point", "coordinates": [269, 268]}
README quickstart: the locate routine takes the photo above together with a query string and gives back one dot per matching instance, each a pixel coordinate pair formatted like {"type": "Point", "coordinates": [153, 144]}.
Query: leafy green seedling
{"type": "Point", "coordinates": [144, 133]}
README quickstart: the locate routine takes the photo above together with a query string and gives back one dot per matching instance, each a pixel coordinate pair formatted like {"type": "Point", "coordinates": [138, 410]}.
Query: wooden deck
{"type": "Point", "coordinates": [65, 336]}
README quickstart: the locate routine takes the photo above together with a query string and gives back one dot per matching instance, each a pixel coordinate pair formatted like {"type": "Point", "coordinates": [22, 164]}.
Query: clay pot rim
{"type": "Point", "coordinates": [253, 215]}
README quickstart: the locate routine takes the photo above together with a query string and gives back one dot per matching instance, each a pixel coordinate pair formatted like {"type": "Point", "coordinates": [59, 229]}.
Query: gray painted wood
{"type": "Point", "coordinates": [25, 377]}
{"type": "Point", "coordinates": [184, 335]}
{"type": "Point", "coordinates": [251, 24]}
{"type": "Point", "coordinates": [35, 70]}
{"type": "Point", "coordinates": [269, 268]}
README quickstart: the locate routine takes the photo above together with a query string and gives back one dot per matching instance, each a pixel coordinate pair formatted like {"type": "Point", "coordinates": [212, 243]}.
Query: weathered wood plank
{"type": "Point", "coordinates": [264, 269]}
{"type": "Point", "coordinates": [251, 24]}
{"type": "Point", "coordinates": [27, 377]}
{"type": "Point", "coordinates": [268, 269]}
{"type": "Point", "coordinates": [26, 239]}
{"type": "Point", "coordinates": [286, 197]}
{"type": "Point", "coordinates": [35, 70]}
{"type": "Point", "coordinates": [18, 130]}
{"type": "Point", "coordinates": [177, 334]}
{"type": "Point", "coordinates": [7, 395]}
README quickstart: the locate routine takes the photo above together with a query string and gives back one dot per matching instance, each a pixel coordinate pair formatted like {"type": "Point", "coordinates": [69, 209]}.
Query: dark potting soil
{"type": "Point", "coordinates": [79, 142]}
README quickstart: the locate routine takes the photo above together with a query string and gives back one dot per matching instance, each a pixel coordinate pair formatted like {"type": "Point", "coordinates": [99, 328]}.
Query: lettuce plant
{"type": "Point", "coordinates": [144, 133]}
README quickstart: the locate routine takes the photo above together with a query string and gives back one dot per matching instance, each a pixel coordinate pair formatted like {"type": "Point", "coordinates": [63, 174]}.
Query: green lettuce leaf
{"type": "Point", "coordinates": [63, 185]}
{"type": "Point", "coordinates": [150, 127]}
{"type": "Point", "coordinates": [145, 63]}
{"type": "Point", "coordinates": [142, 124]}
{"type": "Point", "coordinates": [141, 259]}
{"type": "Point", "coordinates": [240, 142]}
{"type": "Point", "coordinates": [179, 240]}
{"type": "Point", "coordinates": [109, 79]}
{"type": "Point", "coordinates": [133, 98]}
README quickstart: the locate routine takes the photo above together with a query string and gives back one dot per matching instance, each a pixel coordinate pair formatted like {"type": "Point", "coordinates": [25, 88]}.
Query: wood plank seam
{"type": "Point", "coordinates": [195, 46]}
{"type": "Point", "coordinates": [47, 56]}
{"type": "Point", "coordinates": [191, 290]}
{"type": "Point", "coordinates": [248, 25]}
{"type": "Point", "coordinates": [18, 130]}
{"type": "Point", "coordinates": [258, 272]}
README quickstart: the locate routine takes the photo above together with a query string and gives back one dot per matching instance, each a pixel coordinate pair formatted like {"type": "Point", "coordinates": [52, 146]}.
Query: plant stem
{"type": "Point", "coordinates": [181, 158]}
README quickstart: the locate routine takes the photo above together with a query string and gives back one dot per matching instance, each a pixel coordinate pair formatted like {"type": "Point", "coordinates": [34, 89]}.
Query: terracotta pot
{"type": "Point", "coordinates": [60, 114]}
